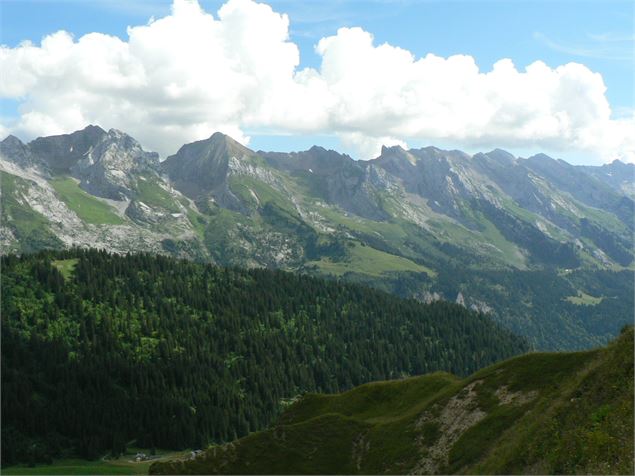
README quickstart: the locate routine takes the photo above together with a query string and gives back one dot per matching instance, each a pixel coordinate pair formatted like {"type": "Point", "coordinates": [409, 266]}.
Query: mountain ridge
{"type": "Point", "coordinates": [423, 223]}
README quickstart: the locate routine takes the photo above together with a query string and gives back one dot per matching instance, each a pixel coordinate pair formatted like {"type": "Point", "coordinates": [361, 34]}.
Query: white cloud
{"type": "Point", "coordinates": [367, 146]}
{"type": "Point", "coordinates": [181, 77]}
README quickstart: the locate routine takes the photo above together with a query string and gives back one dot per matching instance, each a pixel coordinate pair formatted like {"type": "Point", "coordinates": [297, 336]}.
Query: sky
{"type": "Point", "coordinates": [529, 77]}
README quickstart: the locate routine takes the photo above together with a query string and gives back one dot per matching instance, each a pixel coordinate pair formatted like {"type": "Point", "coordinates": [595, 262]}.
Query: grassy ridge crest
{"type": "Point", "coordinates": [540, 413]}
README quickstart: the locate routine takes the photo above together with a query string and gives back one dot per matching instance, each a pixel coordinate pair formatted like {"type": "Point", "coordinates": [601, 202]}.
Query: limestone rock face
{"type": "Point", "coordinates": [200, 168]}
{"type": "Point", "coordinates": [16, 151]}
{"type": "Point", "coordinates": [111, 168]}
{"type": "Point", "coordinates": [287, 209]}
{"type": "Point", "coordinates": [59, 153]}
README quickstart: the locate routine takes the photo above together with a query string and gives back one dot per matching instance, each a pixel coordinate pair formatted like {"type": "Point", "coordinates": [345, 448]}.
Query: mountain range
{"type": "Point", "coordinates": [543, 246]}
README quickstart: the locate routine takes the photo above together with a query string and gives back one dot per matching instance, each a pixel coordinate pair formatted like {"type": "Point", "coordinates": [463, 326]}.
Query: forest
{"type": "Point", "coordinates": [99, 350]}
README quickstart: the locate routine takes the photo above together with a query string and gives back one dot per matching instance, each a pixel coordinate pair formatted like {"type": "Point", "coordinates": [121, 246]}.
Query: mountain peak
{"type": "Point", "coordinates": [220, 138]}
{"type": "Point", "coordinates": [395, 158]}
{"type": "Point", "coordinates": [391, 148]}
{"type": "Point", "coordinates": [61, 152]}
{"type": "Point", "coordinates": [217, 135]}
{"type": "Point", "coordinates": [11, 140]}
{"type": "Point", "coordinates": [16, 151]}
{"type": "Point", "coordinates": [201, 166]}
{"type": "Point", "coordinates": [541, 156]}
{"type": "Point", "coordinates": [92, 128]}
{"type": "Point", "coordinates": [501, 156]}
{"type": "Point", "coordinates": [621, 164]}
{"type": "Point", "coordinates": [501, 153]}
{"type": "Point", "coordinates": [218, 145]}
{"type": "Point", "coordinates": [117, 133]}
{"type": "Point", "coordinates": [327, 154]}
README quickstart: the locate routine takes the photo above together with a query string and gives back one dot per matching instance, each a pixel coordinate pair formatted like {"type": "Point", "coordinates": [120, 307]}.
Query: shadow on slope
{"type": "Point", "coordinates": [542, 413]}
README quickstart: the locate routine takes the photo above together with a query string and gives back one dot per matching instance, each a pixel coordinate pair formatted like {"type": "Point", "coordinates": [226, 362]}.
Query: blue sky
{"type": "Point", "coordinates": [598, 34]}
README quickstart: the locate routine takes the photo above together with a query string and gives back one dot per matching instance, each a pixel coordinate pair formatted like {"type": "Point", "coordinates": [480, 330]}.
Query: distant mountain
{"type": "Point", "coordinates": [568, 413]}
{"type": "Point", "coordinates": [201, 169]}
{"type": "Point", "coordinates": [60, 153]}
{"type": "Point", "coordinates": [617, 174]}
{"type": "Point", "coordinates": [424, 223]}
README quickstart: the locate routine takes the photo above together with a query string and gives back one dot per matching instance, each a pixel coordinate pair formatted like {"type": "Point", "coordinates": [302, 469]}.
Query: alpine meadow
{"type": "Point", "coordinates": [339, 237]}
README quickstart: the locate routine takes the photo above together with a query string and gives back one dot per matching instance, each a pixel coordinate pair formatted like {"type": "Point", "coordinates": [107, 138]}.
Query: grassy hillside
{"type": "Point", "coordinates": [541, 413]}
{"type": "Point", "coordinates": [123, 464]}
{"type": "Point", "coordinates": [87, 207]}
{"type": "Point", "coordinates": [368, 261]}
{"type": "Point", "coordinates": [150, 192]}
{"type": "Point", "coordinates": [29, 227]}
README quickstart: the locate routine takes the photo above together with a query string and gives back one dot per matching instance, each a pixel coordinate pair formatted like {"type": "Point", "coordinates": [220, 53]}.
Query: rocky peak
{"type": "Point", "coordinates": [110, 168]}
{"type": "Point", "coordinates": [395, 160]}
{"type": "Point", "coordinates": [59, 153]}
{"type": "Point", "coordinates": [217, 148]}
{"type": "Point", "coordinates": [200, 167]}
{"type": "Point", "coordinates": [317, 160]}
{"type": "Point", "coordinates": [14, 150]}
{"type": "Point", "coordinates": [11, 141]}
{"type": "Point", "coordinates": [393, 151]}
{"type": "Point", "coordinates": [618, 175]}
{"type": "Point", "coordinates": [316, 149]}
{"type": "Point", "coordinates": [545, 165]}
{"type": "Point", "coordinates": [501, 156]}
{"type": "Point", "coordinates": [620, 168]}
{"type": "Point", "coordinates": [327, 162]}
{"type": "Point", "coordinates": [385, 149]}
{"type": "Point", "coordinates": [220, 144]}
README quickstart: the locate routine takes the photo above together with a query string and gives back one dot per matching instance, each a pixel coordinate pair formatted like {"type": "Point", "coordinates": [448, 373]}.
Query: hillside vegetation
{"type": "Point", "coordinates": [99, 350]}
{"type": "Point", "coordinates": [541, 413]}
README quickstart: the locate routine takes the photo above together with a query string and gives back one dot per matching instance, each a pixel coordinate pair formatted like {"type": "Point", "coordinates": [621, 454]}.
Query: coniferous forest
{"type": "Point", "coordinates": [101, 349]}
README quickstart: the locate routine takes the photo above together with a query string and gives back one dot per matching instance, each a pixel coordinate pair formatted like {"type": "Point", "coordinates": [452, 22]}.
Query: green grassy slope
{"type": "Point", "coordinates": [368, 261]}
{"type": "Point", "coordinates": [124, 464]}
{"type": "Point", "coordinates": [87, 207]}
{"type": "Point", "coordinates": [66, 266]}
{"type": "Point", "coordinates": [541, 413]}
{"type": "Point", "coordinates": [31, 228]}
{"type": "Point", "coordinates": [151, 193]}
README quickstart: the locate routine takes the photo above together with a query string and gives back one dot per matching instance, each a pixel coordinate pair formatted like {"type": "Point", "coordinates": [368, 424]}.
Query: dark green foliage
{"type": "Point", "coordinates": [285, 221]}
{"type": "Point", "coordinates": [282, 220]}
{"type": "Point", "coordinates": [617, 248]}
{"type": "Point", "coordinates": [176, 354]}
{"type": "Point", "coordinates": [473, 444]}
{"type": "Point", "coordinates": [593, 431]}
{"type": "Point", "coordinates": [533, 304]}
{"type": "Point", "coordinates": [545, 413]}
{"type": "Point", "coordinates": [543, 249]}
{"type": "Point", "coordinates": [430, 432]}
{"type": "Point", "coordinates": [373, 401]}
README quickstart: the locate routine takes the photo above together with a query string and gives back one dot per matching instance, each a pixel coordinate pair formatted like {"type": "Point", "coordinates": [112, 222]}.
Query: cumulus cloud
{"type": "Point", "coordinates": [181, 77]}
